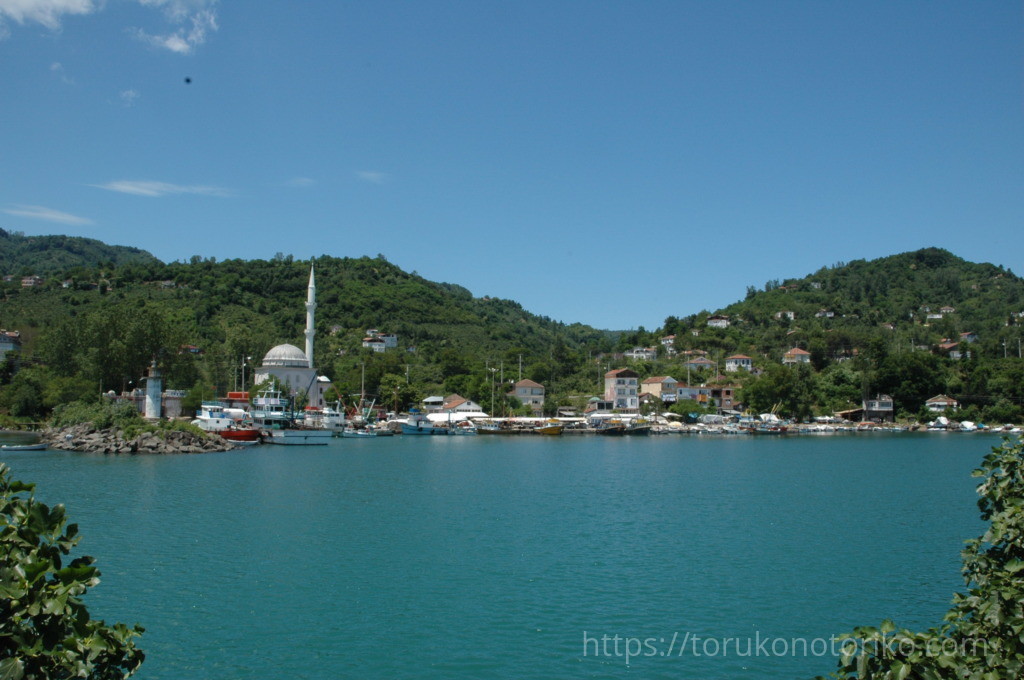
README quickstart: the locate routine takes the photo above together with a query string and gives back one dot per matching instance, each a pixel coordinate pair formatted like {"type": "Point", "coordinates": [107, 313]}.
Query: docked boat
{"type": "Point", "coordinates": [463, 428]}
{"type": "Point", "coordinates": [551, 427]}
{"type": "Point", "coordinates": [357, 433]}
{"type": "Point", "coordinates": [611, 427]}
{"type": "Point", "coordinates": [325, 418]}
{"type": "Point", "coordinates": [418, 423]}
{"type": "Point", "coordinates": [272, 414]}
{"type": "Point", "coordinates": [497, 427]}
{"type": "Point", "coordinates": [638, 427]}
{"type": "Point", "coordinates": [230, 424]}
{"type": "Point", "coordinates": [23, 447]}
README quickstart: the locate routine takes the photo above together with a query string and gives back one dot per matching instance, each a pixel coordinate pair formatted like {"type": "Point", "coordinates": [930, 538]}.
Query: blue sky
{"type": "Point", "coordinates": [611, 163]}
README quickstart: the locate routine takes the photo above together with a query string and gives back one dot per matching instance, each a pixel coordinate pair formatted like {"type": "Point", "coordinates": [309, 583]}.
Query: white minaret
{"type": "Point", "coordinates": [310, 307]}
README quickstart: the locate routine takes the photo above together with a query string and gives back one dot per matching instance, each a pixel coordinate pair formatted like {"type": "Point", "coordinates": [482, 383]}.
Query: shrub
{"type": "Point", "coordinates": [45, 628]}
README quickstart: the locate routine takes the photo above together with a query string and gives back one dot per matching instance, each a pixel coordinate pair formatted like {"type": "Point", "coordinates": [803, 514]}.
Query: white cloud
{"type": "Point", "coordinates": [158, 189]}
{"type": "Point", "coordinates": [192, 20]}
{"type": "Point", "coordinates": [373, 176]}
{"type": "Point", "coordinates": [45, 12]}
{"type": "Point", "coordinates": [57, 69]}
{"type": "Point", "coordinates": [38, 212]}
{"type": "Point", "coordinates": [195, 20]}
{"type": "Point", "coordinates": [128, 97]}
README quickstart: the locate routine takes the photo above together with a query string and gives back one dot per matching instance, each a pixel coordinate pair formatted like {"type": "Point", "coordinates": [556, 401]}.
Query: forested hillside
{"type": "Point", "coordinates": [22, 255]}
{"type": "Point", "coordinates": [912, 325]}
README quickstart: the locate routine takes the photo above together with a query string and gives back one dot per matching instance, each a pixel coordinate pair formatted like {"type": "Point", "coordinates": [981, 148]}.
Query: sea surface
{"type": "Point", "coordinates": [520, 557]}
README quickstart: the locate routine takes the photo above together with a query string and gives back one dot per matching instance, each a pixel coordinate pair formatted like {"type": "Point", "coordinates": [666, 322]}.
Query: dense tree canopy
{"type": "Point", "coordinates": [868, 327]}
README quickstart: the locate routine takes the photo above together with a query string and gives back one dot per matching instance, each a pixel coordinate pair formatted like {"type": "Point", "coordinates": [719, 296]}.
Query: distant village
{"type": "Point", "coordinates": [624, 392]}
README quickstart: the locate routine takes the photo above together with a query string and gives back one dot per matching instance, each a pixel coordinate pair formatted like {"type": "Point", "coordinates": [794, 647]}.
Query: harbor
{"type": "Point", "coordinates": [469, 557]}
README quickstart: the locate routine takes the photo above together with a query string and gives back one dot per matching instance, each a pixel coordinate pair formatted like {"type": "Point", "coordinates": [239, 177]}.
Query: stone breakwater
{"type": "Point", "coordinates": [86, 438]}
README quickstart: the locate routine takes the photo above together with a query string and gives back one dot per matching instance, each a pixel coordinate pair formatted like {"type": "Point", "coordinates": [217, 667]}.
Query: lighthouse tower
{"type": "Point", "coordinates": [310, 309]}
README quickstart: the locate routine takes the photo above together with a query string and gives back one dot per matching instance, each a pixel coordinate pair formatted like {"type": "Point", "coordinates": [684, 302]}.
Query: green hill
{"type": "Point", "coordinates": [912, 325]}
{"type": "Point", "coordinates": [22, 255]}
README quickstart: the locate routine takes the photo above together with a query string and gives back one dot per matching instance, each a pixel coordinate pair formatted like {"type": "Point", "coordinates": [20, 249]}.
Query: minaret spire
{"type": "Point", "coordinates": [310, 307]}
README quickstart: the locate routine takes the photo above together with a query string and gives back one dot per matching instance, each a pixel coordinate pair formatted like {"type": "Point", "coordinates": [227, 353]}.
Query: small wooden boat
{"type": "Point", "coordinates": [552, 427]}
{"type": "Point", "coordinates": [23, 447]}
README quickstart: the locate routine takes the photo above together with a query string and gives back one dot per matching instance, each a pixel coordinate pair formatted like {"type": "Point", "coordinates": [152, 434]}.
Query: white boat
{"type": "Point", "coordinates": [298, 437]}
{"type": "Point", "coordinates": [230, 424]}
{"type": "Point", "coordinates": [23, 447]}
{"type": "Point", "coordinates": [272, 414]}
{"type": "Point", "coordinates": [418, 423]}
{"type": "Point", "coordinates": [326, 418]}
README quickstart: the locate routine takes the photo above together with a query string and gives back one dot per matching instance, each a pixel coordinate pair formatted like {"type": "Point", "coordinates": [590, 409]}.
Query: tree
{"type": "Point", "coordinates": [45, 628]}
{"type": "Point", "coordinates": [983, 633]}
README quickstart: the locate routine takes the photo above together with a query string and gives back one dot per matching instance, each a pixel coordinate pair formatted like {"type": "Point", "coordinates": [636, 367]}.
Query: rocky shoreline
{"type": "Point", "coordinates": [85, 438]}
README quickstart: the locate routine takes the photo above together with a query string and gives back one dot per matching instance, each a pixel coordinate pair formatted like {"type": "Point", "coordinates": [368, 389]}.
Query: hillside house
{"type": "Point", "coordinates": [669, 343]}
{"type": "Point", "coordinates": [785, 314]}
{"type": "Point", "coordinates": [699, 363]}
{"type": "Point", "coordinates": [642, 354]}
{"type": "Point", "coordinates": [949, 348]}
{"type": "Point", "coordinates": [10, 341]}
{"type": "Point", "coordinates": [738, 362]}
{"type": "Point", "coordinates": [796, 356]}
{"type": "Point", "coordinates": [718, 321]}
{"type": "Point", "coordinates": [378, 341]}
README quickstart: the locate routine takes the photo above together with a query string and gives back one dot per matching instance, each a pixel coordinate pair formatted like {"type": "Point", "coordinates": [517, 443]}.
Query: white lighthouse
{"type": "Point", "coordinates": [154, 388]}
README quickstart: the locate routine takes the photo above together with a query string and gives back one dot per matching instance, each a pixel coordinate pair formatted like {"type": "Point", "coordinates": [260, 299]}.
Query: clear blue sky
{"type": "Point", "coordinates": [612, 163]}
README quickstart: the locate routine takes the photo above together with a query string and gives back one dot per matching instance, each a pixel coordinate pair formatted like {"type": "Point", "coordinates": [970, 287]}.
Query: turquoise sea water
{"type": "Point", "coordinates": [520, 557]}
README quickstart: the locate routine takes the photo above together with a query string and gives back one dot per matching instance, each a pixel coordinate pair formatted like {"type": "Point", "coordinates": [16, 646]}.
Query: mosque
{"type": "Point", "coordinates": [294, 368]}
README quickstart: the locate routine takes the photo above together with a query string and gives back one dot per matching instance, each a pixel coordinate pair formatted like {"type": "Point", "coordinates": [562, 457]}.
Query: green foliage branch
{"type": "Point", "coordinates": [982, 635]}
{"type": "Point", "coordinates": [45, 629]}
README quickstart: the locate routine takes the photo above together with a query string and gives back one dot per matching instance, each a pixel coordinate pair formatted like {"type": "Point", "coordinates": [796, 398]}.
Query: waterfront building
{"type": "Point", "coordinates": [879, 409]}
{"type": "Point", "coordinates": [663, 387]}
{"type": "Point", "coordinates": [458, 405]}
{"type": "Point", "coordinates": [621, 387]}
{"type": "Point", "coordinates": [940, 403]}
{"type": "Point", "coordinates": [530, 394]}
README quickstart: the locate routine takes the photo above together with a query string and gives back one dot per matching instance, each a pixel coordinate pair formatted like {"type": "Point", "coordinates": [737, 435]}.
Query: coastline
{"type": "Point", "coordinates": [87, 439]}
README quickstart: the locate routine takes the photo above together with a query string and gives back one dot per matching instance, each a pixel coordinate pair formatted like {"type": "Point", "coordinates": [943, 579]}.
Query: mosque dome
{"type": "Point", "coordinates": [286, 355]}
